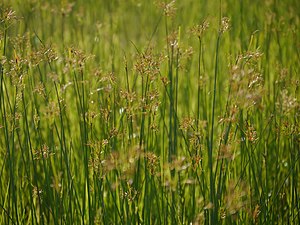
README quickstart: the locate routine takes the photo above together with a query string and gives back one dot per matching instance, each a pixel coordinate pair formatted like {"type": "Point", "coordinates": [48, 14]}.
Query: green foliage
{"type": "Point", "coordinates": [149, 112]}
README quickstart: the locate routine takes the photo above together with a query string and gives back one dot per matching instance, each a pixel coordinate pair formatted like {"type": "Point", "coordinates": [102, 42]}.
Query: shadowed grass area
{"type": "Point", "coordinates": [149, 112]}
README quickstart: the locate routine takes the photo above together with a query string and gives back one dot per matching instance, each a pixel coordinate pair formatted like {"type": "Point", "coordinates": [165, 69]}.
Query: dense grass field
{"type": "Point", "coordinates": [149, 112]}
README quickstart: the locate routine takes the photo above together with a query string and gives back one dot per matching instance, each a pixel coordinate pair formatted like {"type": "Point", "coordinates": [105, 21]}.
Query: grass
{"type": "Point", "coordinates": [149, 112]}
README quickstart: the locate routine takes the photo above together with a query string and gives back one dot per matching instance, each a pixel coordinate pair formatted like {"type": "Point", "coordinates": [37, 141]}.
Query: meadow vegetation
{"type": "Point", "coordinates": [149, 112]}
